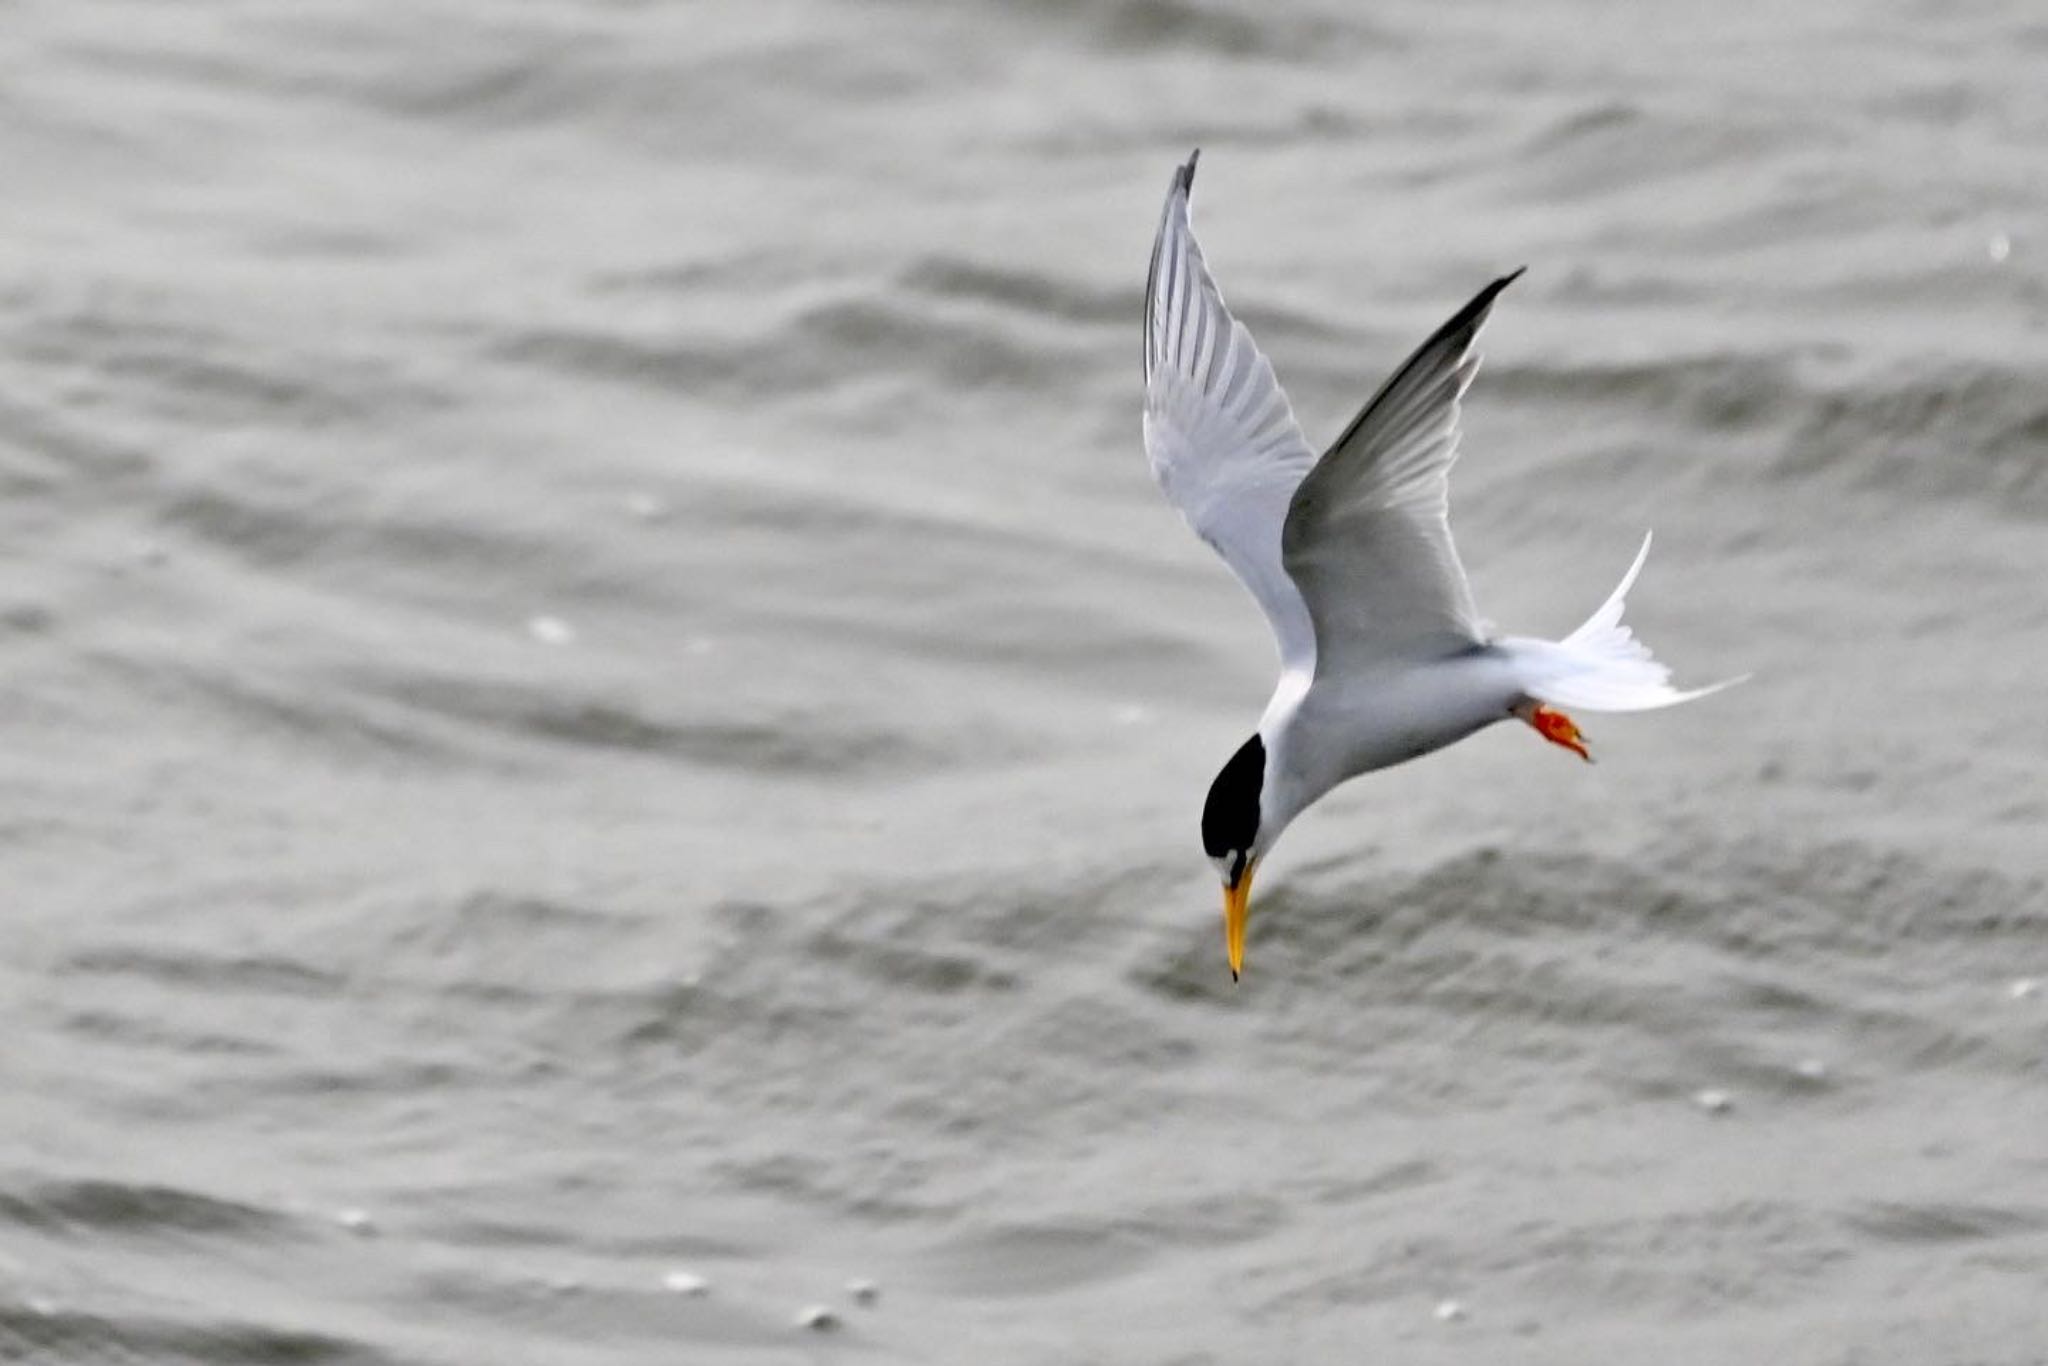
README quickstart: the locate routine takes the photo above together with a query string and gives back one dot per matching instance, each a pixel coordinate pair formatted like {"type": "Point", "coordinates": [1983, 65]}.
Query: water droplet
{"type": "Point", "coordinates": [356, 1221]}
{"type": "Point", "coordinates": [2024, 989]}
{"type": "Point", "coordinates": [551, 630]}
{"type": "Point", "coordinates": [1999, 247]}
{"type": "Point", "coordinates": [864, 1292]}
{"type": "Point", "coordinates": [1449, 1311]}
{"type": "Point", "coordinates": [686, 1283]}
{"type": "Point", "coordinates": [1714, 1102]}
{"type": "Point", "coordinates": [818, 1318]}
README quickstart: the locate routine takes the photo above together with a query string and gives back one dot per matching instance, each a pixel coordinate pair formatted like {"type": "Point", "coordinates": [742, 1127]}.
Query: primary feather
{"type": "Point", "coordinates": [1368, 537]}
{"type": "Point", "coordinates": [1219, 431]}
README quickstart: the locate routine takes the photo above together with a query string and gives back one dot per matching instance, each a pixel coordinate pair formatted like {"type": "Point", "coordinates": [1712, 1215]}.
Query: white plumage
{"type": "Point", "coordinates": [1383, 655]}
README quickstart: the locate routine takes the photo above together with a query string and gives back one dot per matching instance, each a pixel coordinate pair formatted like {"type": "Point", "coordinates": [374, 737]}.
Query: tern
{"type": "Point", "coordinates": [1383, 657]}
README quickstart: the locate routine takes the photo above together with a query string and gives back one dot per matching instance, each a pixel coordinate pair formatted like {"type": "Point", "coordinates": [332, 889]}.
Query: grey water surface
{"type": "Point", "coordinates": [594, 690]}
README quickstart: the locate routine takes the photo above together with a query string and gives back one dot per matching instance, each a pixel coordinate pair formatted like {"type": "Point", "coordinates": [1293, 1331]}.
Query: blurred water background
{"type": "Point", "coordinates": [596, 691]}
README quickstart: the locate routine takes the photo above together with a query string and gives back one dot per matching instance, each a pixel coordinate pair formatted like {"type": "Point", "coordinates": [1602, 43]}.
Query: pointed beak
{"type": "Point", "coordinates": [1236, 904]}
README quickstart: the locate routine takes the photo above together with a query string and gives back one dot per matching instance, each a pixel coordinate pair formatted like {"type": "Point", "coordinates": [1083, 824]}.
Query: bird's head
{"type": "Point", "coordinates": [1236, 836]}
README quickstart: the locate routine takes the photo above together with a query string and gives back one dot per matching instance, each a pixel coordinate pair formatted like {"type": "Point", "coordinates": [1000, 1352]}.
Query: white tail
{"type": "Point", "coordinates": [1601, 666]}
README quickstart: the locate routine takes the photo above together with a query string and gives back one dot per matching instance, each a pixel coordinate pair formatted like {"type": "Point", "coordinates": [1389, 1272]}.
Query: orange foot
{"type": "Point", "coordinates": [1554, 726]}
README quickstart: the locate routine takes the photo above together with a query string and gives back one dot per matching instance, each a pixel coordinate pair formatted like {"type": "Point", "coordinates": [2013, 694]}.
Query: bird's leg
{"type": "Point", "coordinates": [1554, 726]}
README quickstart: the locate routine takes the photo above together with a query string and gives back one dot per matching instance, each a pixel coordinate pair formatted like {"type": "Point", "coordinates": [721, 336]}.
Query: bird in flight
{"type": "Point", "coordinates": [1383, 656]}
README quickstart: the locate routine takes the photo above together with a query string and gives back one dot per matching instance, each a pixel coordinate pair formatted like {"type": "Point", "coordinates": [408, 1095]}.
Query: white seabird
{"type": "Point", "coordinates": [1383, 656]}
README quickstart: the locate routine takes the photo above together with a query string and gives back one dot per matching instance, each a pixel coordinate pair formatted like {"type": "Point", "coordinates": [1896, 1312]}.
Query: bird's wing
{"type": "Point", "coordinates": [1368, 536]}
{"type": "Point", "coordinates": [1219, 431]}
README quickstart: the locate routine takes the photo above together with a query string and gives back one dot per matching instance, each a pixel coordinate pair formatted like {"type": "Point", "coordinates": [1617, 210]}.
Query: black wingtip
{"type": "Point", "coordinates": [1460, 332]}
{"type": "Point", "coordinates": [1474, 313]}
{"type": "Point", "coordinates": [1491, 292]}
{"type": "Point", "coordinates": [1184, 178]}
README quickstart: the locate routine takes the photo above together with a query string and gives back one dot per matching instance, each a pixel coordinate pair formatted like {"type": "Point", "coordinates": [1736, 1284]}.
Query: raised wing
{"type": "Point", "coordinates": [1219, 431]}
{"type": "Point", "coordinates": [1368, 537]}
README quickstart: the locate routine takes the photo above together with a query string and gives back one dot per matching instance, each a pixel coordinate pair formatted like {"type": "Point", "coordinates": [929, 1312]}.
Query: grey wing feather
{"type": "Point", "coordinates": [1219, 431]}
{"type": "Point", "coordinates": [1367, 537]}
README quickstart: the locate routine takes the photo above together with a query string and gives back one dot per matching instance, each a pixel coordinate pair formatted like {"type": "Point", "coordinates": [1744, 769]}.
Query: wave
{"type": "Point", "coordinates": [1618, 148]}
{"type": "Point", "coordinates": [948, 277]}
{"type": "Point", "coordinates": [821, 348]}
{"type": "Point", "coordinates": [1667, 969]}
{"type": "Point", "coordinates": [1964, 432]}
{"type": "Point", "coordinates": [66, 1335]}
{"type": "Point", "coordinates": [262, 974]}
{"type": "Point", "coordinates": [1221, 30]}
{"type": "Point", "coordinates": [809, 743]}
{"type": "Point", "coordinates": [143, 360]}
{"type": "Point", "coordinates": [117, 1207]}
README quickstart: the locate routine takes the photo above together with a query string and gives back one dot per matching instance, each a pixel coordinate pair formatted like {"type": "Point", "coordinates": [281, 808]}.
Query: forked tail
{"type": "Point", "coordinates": [1601, 666]}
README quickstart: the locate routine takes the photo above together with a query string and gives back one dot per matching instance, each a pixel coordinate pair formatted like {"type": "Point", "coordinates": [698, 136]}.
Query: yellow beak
{"type": "Point", "coordinates": [1236, 903]}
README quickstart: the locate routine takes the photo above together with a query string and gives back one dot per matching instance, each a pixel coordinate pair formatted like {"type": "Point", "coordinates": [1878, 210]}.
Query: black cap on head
{"type": "Point", "coordinates": [1230, 818]}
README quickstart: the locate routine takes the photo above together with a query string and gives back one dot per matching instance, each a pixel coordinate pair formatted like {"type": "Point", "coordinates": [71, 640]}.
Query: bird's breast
{"type": "Point", "coordinates": [1351, 726]}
